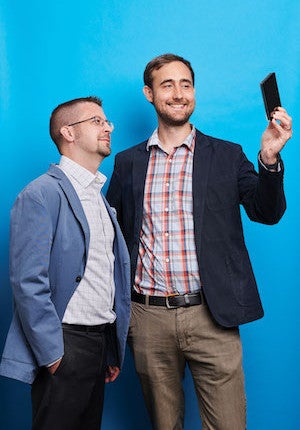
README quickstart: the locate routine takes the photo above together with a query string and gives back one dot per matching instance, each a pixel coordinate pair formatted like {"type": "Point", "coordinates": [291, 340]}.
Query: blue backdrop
{"type": "Point", "coordinates": [52, 51]}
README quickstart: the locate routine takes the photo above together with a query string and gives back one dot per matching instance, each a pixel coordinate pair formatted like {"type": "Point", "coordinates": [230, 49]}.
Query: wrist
{"type": "Point", "coordinates": [270, 163]}
{"type": "Point", "coordinates": [269, 159]}
{"type": "Point", "coordinates": [273, 166]}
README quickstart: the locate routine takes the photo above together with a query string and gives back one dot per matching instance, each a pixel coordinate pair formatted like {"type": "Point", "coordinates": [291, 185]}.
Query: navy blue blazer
{"type": "Point", "coordinates": [49, 246]}
{"type": "Point", "coordinates": [223, 179]}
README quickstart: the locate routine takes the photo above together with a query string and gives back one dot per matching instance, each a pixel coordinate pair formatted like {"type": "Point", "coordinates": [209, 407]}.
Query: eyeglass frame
{"type": "Point", "coordinates": [93, 118]}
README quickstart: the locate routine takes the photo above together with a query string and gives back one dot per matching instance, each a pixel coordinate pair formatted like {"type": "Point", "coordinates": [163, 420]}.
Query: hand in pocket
{"type": "Point", "coordinates": [52, 369]}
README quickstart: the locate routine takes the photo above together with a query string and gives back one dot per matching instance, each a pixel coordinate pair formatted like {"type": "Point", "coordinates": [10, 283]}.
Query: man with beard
{"type": "Point", "coordinates": [178, 198]}
{"type": "Point", "coordinates": [69, 270]}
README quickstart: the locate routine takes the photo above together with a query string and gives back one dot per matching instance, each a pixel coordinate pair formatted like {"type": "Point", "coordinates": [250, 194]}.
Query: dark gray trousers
{"type": "Point", "coordinates": [72, 398]}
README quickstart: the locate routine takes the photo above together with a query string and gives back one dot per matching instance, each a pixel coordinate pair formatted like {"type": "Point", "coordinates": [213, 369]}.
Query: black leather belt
{"type": "Point", "coordinates": [86, 328]}
{"type": "Point", "coordinates": [170, 302]}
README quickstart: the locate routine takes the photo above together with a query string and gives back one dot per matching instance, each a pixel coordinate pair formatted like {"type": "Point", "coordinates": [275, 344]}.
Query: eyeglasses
{"type": "Point", "coordinates": [97, 121]}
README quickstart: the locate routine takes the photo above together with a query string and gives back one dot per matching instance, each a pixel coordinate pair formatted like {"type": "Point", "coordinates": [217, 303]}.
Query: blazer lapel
{"type": "Point", "coordinates": [139, 171]}
{"type": "Point", "coordinates": [202, 161]}
{"type": "Point", "coordinates": [112, 213]}
{"type": "Point", "coordinates": [74, 201]}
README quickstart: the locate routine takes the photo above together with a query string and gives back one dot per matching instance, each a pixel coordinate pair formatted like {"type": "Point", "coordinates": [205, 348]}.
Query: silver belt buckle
{"type": "Point", "coordinates": [168, 304]}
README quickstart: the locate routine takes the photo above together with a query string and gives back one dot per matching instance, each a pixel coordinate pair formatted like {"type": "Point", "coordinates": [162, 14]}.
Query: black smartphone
{"type": "Point", "coordinates": [270, 93]}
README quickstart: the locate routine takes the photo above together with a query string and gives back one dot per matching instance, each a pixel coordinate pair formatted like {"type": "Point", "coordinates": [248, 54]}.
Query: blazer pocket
{"type": "Point", "coordinates": [240, 277]}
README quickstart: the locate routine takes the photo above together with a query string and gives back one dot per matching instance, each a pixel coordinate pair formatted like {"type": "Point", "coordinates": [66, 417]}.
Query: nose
{"type": "Point", "coordinates": [177, 92]}
{"type": "Point", "coordinates": [108, 127]}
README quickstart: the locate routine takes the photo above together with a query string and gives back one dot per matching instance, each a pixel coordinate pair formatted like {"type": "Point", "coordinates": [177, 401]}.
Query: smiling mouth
{"type": "Point", "coordinates": [178, 108]}
{"type": "Point", "coordinates": [177, 105]}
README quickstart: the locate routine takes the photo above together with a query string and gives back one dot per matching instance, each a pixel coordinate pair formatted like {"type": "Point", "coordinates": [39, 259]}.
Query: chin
{"type": "Point", "coordinates": [175, 121]}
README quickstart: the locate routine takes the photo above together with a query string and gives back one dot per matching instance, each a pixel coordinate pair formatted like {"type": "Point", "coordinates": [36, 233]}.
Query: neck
{"type": "Point", "coordinates": [89, 164]}
{"type": "Point", "coordinates": [172, 136]}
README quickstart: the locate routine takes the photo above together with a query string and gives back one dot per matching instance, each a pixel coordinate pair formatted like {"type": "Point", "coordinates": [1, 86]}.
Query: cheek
{"type": "Point", "coordinates": [191, 101]}
{"type": "Point", "coordinates": [160, 96]}
{"type": "Point", "coordinates": [160, 101]}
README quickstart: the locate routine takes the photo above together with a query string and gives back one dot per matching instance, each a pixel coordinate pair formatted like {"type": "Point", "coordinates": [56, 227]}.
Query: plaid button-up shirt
{"type": "Point", "coordinates": [167, 262]}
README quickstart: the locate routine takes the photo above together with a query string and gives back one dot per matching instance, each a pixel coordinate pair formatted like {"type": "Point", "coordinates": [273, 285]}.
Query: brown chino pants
{"type": "Point", "coordinates": [163, 341]}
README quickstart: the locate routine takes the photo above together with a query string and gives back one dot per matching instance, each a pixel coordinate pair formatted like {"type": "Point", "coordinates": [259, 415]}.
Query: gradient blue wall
{"type": "Point", "coordinates": [52, 51]}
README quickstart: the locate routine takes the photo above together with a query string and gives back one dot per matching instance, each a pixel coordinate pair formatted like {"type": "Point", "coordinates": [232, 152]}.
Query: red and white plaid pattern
{"type": "Point", "coordinates": [167, 262]}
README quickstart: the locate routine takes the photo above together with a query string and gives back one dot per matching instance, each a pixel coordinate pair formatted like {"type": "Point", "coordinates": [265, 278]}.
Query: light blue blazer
{"type": "Point", "coordinates": [48, 252]}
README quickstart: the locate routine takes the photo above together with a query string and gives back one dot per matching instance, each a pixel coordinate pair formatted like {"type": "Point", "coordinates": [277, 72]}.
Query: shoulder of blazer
{"type": "Point", "coordinates": [63, 181]}
{"type": "Point", "coordinates": [64, 184]}
{"type": "Point", "coordinates": [204, 140]}
{"type": "Point", "coordinates": [55, 172]}
{"type": "Point", "coordinates": [51, 186]}
{"type": "Point", "coordinates": [46, 186]}
{"type": "Point", "coordinates": [135, 150]}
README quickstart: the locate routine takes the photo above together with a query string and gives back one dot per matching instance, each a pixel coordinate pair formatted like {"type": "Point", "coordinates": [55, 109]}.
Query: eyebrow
{"type": "Point", "coordinates": [173, 80]}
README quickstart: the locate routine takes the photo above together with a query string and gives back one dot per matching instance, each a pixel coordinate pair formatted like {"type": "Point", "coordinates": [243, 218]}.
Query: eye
{"type": "Point", "coordinates": [97, 121]}
{"type": "Point", "coordinates": [167, 86]}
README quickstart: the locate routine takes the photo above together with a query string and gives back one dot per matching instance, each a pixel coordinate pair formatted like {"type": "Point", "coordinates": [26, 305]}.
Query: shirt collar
{"type": "Point", "coordinates": [79, 174]}
{"type": "Point", "coordinates": [189, 141]}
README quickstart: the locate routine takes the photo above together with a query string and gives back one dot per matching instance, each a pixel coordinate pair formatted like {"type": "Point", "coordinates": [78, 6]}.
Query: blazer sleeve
{"type": "Point", "coordinates": [30, 246]}
{"type": "Point", "coordinates": [262, 194]}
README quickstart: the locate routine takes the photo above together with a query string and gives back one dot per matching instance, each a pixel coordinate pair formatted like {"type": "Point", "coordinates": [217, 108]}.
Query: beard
{"type": "Point", "coordinates": [104, 152]}
{"type": "Point", "coordinates": [173, 121]}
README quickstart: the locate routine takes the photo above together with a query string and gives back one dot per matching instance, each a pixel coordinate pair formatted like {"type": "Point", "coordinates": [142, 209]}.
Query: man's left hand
{"type": "Point", "coordinates": [112, 372]}
{"type": "Point", "coordinates": [278, 132]}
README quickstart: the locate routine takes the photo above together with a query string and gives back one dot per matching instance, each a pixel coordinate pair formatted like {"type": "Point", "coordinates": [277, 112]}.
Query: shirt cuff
{"type": "Point", "coordinates": [278, 168]}
{"type": "Point", "coordinates": [51, 364]}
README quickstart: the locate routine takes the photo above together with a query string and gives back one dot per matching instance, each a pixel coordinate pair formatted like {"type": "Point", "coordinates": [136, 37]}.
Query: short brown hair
{"type": "Point", "coordinates": [63, 114]}
{"type": "Point", "coordinates": [160, 61]}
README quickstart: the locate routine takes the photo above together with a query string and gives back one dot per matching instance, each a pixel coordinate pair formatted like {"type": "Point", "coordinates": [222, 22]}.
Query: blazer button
{"type": "Point", "coordinates": [78, 279]}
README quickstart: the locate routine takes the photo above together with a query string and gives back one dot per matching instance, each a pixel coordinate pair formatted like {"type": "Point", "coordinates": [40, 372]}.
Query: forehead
{"type": "Point", "coordinates": [176, 70]}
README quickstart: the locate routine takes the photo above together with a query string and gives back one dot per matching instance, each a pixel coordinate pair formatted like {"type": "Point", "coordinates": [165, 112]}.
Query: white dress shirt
{"type": "Point", "coordinates": [93, 299]}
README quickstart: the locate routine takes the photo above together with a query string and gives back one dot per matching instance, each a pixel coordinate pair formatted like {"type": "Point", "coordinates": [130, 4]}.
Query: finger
{"type": "Point", "coordinates": [112, 373]}
{"type": "Point", "coordinates": [284, 119]}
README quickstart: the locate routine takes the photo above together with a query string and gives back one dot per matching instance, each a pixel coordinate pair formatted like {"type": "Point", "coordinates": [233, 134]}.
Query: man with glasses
{"type": "Point", "coordinates": [178, 198]}
{"type": "Point", "coordinates": [69, 270]}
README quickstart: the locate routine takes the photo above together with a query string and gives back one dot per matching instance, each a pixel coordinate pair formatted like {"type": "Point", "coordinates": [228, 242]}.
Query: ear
{"type": "Point", "coordinates": [67, 133]}
{"type": "Point", "coordinates": [148, 93]}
